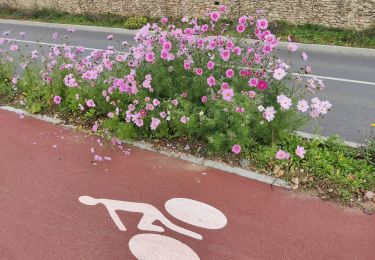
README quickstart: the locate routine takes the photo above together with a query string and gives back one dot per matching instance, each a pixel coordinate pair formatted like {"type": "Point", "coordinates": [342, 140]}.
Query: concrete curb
{"type": "Point", "coordinates": [312, 136]}
{"type": "Point", "coordinates": [182, 156]}
{"type": "Point", "coordinates": [302, 46]}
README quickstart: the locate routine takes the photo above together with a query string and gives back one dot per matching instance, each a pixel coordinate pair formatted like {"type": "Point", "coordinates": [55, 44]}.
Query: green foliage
{"type": "Point", "coordinates": [331, 163]}
{"type": "Point", "coordinates": [120, 129]}
{"type": "Point", "coordinates": [135, 22]}
{"type": "Point", "coordinates": [6, 90]}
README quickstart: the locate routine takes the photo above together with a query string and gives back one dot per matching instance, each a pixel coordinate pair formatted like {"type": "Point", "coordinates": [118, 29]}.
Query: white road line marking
{"type": "Point", "coordinates": [50, 44]}
{"type": "Point", "coordinates": [296, 74]}
{"type": "Point", "coordinates": [337, 79]}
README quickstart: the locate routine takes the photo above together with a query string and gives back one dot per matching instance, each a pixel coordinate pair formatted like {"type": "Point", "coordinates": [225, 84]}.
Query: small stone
{"type": "Point", "coordinates": [368, 207]}
{"type": "Point", "coordinates": [330, 190]}
{"type": "Point", "coordinates": [276, 169]}
{"type": "Point", "coordinates": [244, 163]}
{"type": "Point", "coordinates": [280, 173]}
{"type": "Point", "coordinates": [370, 195]}
{"type": "Point", "coordinates": [311, 178]}
{"type": "Point", "coordinates": [295, 180]}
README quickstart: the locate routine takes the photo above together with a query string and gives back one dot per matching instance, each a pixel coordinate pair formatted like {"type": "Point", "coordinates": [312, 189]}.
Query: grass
{"type": "Point", "coordinates": [305, 33]}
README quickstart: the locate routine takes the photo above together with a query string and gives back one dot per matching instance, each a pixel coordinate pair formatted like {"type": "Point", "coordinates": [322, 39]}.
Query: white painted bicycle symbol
{"type": "Point", "coordinates": [159, 247]}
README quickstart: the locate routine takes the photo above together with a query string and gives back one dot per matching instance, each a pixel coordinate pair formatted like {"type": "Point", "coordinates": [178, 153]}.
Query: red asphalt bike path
{"type": "Point", "coordinates": [44, 169]}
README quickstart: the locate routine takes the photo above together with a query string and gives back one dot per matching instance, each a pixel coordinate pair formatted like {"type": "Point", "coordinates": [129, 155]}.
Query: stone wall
{"type": "Point", "coordinates": [336, 13]}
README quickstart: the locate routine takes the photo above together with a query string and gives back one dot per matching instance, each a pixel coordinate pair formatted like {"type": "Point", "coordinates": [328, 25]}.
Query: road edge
{"type": "Point", "coordinates": [302, 46]}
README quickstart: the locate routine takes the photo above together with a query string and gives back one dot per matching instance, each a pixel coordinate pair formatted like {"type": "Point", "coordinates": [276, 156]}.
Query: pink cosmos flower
{"type": "Point", "coordinates": [156, 102]}
{"type": "Point", "coordinates": [279, 73]}
{"type": "Point", "coordinates": [240, 28]}
{"type": "Point", "coordinates": [167, 46]}
{"type": "Point", "coordinates": [253, 82]}
{"type": "Point", "coordinates": [240, 109]}
{"type": "Point", "coordinates": [237, 50]}
{"type": "Point", "coordinates": [204, 28]}
{"type": "Point", "coordinates": [269, 113]}
{"type": "Point", "coordinates": [110, 37]}
{"type": "Point", "coordinates": [262, 24]}
{"type": "Point", "coordinates": [90, 103]}
{"type": "Point", "coordinates": [95, 128]}
{"type": "Point", "coordinates": [13, 47]}
{"type": "Point", "coordinates": [211, 81]}
{"type": "Point", "coordinates": [57, 100]}
{"type": "Point", "coordinates": [139, 122]}
{"type": "Point", "coordinates": [154, 123]}
{"type": "Point", "coordinates": [131, 107]}
{"type": "Point", "coordinates": [262, 85]}
{"type": "Point", "coordinates": [225, 55]}
{"type": "Point", "coordinates": [187, 65]}
{"type": "Point", "coordinates": [282, 155]}
{"type": "Point", "coordinates": [242, 20]}
{"type": "Point", "coordinates": [204, 99]}
{"type": "Point", "coordinates": [223, 8]}
{"type": "Point", "coordinates": [292, 47]}
{"type": "Point", "coordinates": [199, 71]}
{"type": "Point", "coordinates": [71, 30]}
{"type": "Point", "coordinates": [184, 119]}
{"type": "Point", "coordinates": [236, 149]}
{"type": "Point", "coordinates": [308, 69]}
{"type": "Point", "coordinates": [163, 114]}
{"type": "Point", "coordinates": [300, 151]}
{"type": "Point", "coordinates": [175, 102]}
{"type": "Point", "coordinates": [164, 20]}
{"type": "Point", "coordinates": [284, 102]}
{"type": "Point", "coordinates": [302, 106]}
{"type": "Point", "coordinates": [228, 94]}
{"type": "Point", "coordinates": [252, 94]}
{"type": "Point", "coordinates": [215, 16]}
{"type": "Point", "coordinates": [70, 81]}
{"type": "Point", "coordinates": [150, 57]}
{"type": "Point", "coordinates": [210, 65]}
{"type": "Point", "coordinates": [150, 107]}
{"type": "Point", "coordinates": [110, 114]}
{"type": "Point", "coordinates": [229, 73]}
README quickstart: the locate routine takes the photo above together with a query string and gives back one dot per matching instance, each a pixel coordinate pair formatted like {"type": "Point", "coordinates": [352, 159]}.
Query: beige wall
{"type": "Point", "coordinates": [337, 13]}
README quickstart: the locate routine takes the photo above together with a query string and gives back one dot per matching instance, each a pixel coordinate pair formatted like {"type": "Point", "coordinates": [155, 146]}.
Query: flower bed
{"type": "Point", "coordinates": [192, 84]}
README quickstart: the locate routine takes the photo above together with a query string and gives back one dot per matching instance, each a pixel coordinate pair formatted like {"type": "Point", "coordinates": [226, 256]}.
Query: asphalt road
{"type": "Point", "coordinates": [353, 102]}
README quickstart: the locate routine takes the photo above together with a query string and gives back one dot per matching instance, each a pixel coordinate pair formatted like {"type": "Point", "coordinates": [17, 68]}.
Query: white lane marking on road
{"type": "Point", "coordinates": [158, 247]}
{"type": "Point", "coordinates": [196, 213]}
{"type": "Point", "coordinates": [50, 44]}
{"type": "Point", "coordinates": [337, 79]}
{"type": "Point", "coordinates": [93, 49]}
